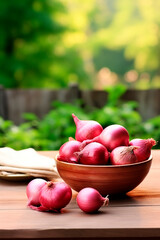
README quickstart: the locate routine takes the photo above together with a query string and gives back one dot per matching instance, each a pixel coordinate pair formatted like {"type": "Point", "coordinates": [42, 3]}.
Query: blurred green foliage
{"type": "Point", "coordinates": [57, 126]}
{"type": "Point", "coordinates": [54, 42]}
{"type": "Point", "coordinates": [32, 52]}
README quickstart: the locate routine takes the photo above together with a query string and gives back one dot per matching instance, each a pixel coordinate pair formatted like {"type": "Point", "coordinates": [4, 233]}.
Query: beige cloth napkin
{"type": "Point", "coordinates": [26, 161]}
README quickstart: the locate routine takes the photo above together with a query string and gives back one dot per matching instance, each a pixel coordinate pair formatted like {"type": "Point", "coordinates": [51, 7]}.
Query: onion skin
{"type": "Point", "coordinates": [33, 190]}
{"type": "Point", "coordinates": [93, 154]}
{"type": "Point", "coordinates": [143, 151]}
{"type": "Point", "coordinates": [123, 155]}
{"type": "Point", "coordinates": [86, 129]}
{"type": "Point", "coordinates": [55, 196]}
{"type": "Point", "coordinates": [67, 150]}
{"type": "Point", "coordinates": [111, 137]}
{"type": "Point", "coordinates": [90, 200]}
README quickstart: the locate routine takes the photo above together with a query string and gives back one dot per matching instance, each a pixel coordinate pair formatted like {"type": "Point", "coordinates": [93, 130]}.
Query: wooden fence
{"type": "Point", "coordinates": [14, 102]}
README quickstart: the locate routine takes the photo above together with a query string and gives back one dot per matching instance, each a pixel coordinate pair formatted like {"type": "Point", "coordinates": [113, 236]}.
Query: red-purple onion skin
{"type": "Point", "coordinates": [94, 154]}
{"type": "Point", "coordinates": [113, 136]}
{"type": "Point", "coordinates": [90, 200]}
{"type": "Point", "coordinates": [86, 129]}
{"type": "Point", "coordinates": [143, 151]}
{"type": "Point", "coordinates": [123, 155]}
{"type": "Point", "coordinates": [55, 196]}
{"type": "Point", "coordinates": [38, 208]}
{"type": "Point", "coordinates": [33, 190]}
{"type": "Point", "coordinates": [67, 150]}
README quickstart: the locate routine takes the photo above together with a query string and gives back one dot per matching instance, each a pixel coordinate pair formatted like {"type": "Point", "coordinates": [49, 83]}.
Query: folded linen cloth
{"type": "Point", "coordinates": [26, 161]}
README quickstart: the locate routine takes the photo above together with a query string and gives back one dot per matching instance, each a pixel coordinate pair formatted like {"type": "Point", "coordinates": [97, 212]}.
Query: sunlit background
{"type": "Point", "coordinates": [95, 43]}
{"type": "Point", "coordinates": [54, 53]}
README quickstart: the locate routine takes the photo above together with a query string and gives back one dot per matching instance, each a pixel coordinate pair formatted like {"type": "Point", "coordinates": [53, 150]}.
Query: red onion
{"type": "Point", "coordinates": [93, 154]}
{"type": "Point", "coordinates": [123, 155]}
{"type": "Point", "coordinates": [55, 196]}
{"type": "Point", "coordinates": [144, 150]}
{"type": "Point", "coordinates": [111, 137]}
{"type": "Point", "coordinates": [33, 189]}
{"type": "Point", "coordinates": [67, 150]}
{"type": "Point", "coordinates": [86, 129]}
{"type": "Point", "coordinates": [50, 196]}
{"type": "Point", "coordinates": [90, 200]}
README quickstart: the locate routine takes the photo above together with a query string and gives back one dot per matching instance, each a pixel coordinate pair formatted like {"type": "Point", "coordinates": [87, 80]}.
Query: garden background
{"type": "Point", "coordinates": [98, 45]}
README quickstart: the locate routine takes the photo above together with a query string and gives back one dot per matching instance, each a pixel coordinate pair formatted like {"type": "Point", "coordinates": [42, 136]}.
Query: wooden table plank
{"type": "Point", "coordinates": [24, 219]}
{"type": "Point", "coordinates": [131, 223]}
{"type": "Point", "coordinates": [136, 214]}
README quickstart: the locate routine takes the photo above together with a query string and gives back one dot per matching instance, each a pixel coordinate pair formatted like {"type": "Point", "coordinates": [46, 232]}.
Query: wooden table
{"type": "Point", "coordinates": [135, 215]}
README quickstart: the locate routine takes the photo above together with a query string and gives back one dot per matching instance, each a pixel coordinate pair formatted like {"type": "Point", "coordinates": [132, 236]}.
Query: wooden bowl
{"type": "Point", "coordinates": [108, 179]}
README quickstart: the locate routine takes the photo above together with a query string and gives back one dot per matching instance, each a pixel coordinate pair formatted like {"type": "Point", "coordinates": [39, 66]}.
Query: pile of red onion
{"type": "Point", "coordinates": [94, 145]}
{"type": "Point", "coordinates": [54, 196]}
{"type": "Point", "coordinates": [47, 195]}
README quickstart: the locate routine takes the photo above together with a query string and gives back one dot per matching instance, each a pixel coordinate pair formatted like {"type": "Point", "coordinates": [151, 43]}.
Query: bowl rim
{"type": "Point", "coordinates": [103, 166]}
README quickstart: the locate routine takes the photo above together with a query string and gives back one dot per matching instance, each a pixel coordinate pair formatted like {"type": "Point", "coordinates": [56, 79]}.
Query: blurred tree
{"type": "Point", "coordinates": [53, 42]}
{"type": "Point", "coordinates": [31, 52]}
{"type": "Point", "coordinates": [134, 28]}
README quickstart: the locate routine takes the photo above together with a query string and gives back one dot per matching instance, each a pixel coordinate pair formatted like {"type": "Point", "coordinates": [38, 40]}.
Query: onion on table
{"type": "Point", "coordinates": [47, 195]}
{"type": "Point", "coordinates": [90, 200]}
